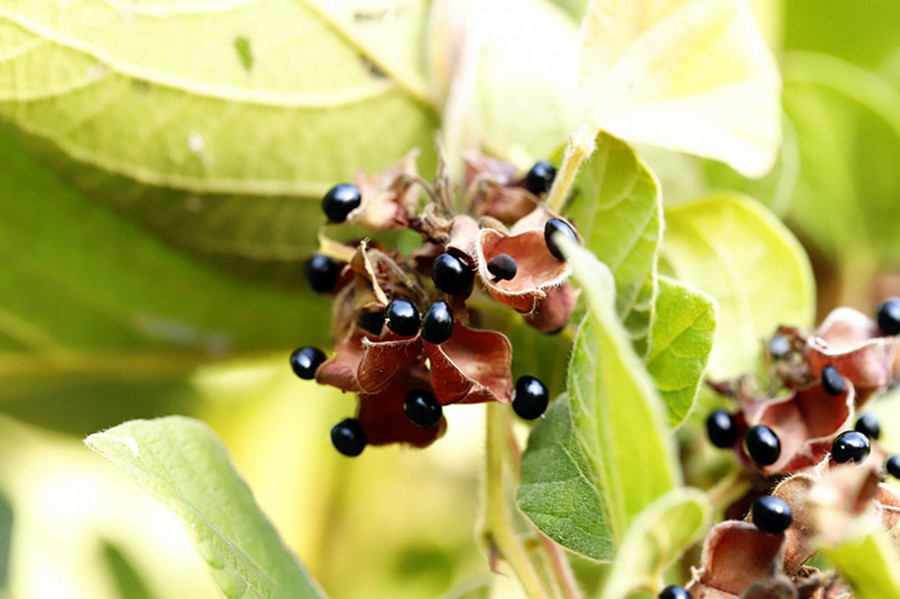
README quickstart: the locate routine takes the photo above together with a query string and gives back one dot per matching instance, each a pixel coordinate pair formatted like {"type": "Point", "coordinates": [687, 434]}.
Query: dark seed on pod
{"type": "Point", "coordinates": [771, 514]}
{"type": "Point", "coordinates": [437, 324]}
{"type": "Point", "coordinates": [422, 408]}
{"type": "Point", "coordinates": [722, 429]}
{"type": "Point", "coordinates": [892, 465]}
{"type": "Point", "coordinates": [673, 591]}
{"type": "Point", "coordinates": [540, 178]}
{"type": "Point", "coordinates": [832, 381]}
{"type": "Point", "coordinates": [348, 437]}
{"type": "Point", "coordinates": [888, 316]}
{"type": "Point", "coordinates": [868, 425]}
{"type": "Point", "coordinates": [503, 267]}
{"type": "Point", "coordinates": [553, 226]}
{"type": "Point", "coordinates": [402, 317]}
{"type": "Point", "coordinates": [322, 273]}
{"type": "Point", "coordinates": [531, 398]}
{"type": "Point", "coordinates": [452, 275]}
{"type": "Point", "coordinates": [341, 200]}
{"type": "Point", "coordinates": [306, 360]}
{"type": "Point", "coordinates": [850, 445]}
{"type": "Point", "coordinates": [371, 322]}
{"type": "Point", "coordinates": [761, 445]}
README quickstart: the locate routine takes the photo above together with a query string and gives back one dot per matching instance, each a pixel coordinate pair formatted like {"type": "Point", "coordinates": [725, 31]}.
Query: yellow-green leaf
{"type": "Point", "coordinates": [870, 564]}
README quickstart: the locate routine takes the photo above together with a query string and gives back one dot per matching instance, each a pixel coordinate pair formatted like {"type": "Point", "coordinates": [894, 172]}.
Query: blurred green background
{"type": "Point", "coordinates": [159, 193]}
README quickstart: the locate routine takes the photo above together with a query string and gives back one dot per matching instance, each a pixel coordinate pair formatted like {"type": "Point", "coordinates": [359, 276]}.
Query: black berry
{"type": "Point", "coordinates": [422, 408]}
{"type": "Point", "coordinates": [340, 201]}
{"type": "Point", "coordinates": [540, 178]}
{"type": "Point", "coordinates": [452, 275]}
{"type": "Point", "coordinates": [531, 398]}
{"type": "Point", "coordinates": [761, 445]}
{"type": "Point", "coordinates": [721, 428]}
{"type": "Point", "coordinates": [402, 317]}
{"type": "Point", "coordinates": [779, 347]}
{"type": "Point", "coordinates": [306, 360]}
{"type": "Point", "coordinates": [771, 514]}
{"type": "Point", "coordinates": [892, 465]}
{"type": "Point", "coordinates": [371, 322]}
{"type": "Point", "coordinates": [437, 324]}
{"type": "Point", "coordinates": [850, 445]}
{"type": "Point", "coordinates": [557, 225]}
{"type": "Point", "coordinates": [832, 381]}
{"type": "Point", "coordinates": [868, 425]}
{"type": "Point", "coordinates": [322, 273]}
{"type": "Point", "coordinates": [348, 437]}
{"type": "Point", "coordinates": [888, 315]}
{"type": "Point", "coordinates": [503, 267]}
{"type": "Point", "coordinates": [673, 591]}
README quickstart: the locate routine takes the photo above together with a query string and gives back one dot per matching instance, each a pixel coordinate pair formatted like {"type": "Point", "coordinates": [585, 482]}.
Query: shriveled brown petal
{"type": "Point", "coordinates": [735, 555]}
{"type": "Point", "coordinates": [381, 359]}
{"type": "Point", "coordinates": [389, 198]}
{"type": "Point", "coordinates": [843, 492]}
{"type": "Point", "coordinates": [538, 270]}
{"type": "Point", "coordinates": [471, 367]}
{"type": "Point", "coordinates": [463, 239]}
{"type": "Point", "coordinates": [797, 545]}
{"type": "Point", "coordinates": [552, 312]}
{"type": "Point", "coordinates": [384, 420]}
{"type": "Point", "coordinates": [888, 498]}
{"type": "Point", "coordinates": [806, 423]}
{"type": "Point", "coordinates": [492, 191]}
{"type": "Point", "coordinates": [340, 371]}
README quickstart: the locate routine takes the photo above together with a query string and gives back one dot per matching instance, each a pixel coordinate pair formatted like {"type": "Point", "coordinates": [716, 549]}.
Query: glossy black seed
{"type": "Point", "coordinates": [868, 425]}
{"type": "Point", "coordinates": [673, 591]}
{"type": "Point", "coordinates": [371, 322]}
{"type": "Point", "coordinates": [721, 428]}
{"type": "Point", "coordinates": [888, 316]}
{"type": "Point", "coordinates": [557, 225]}
{"type": "Point", "coordinates": [402, 317]}
{"type": "Point", "coordinates": [503, 267]}
{"type": "Point", "coordinates": [832, 381]}
{"type": "Point", "coordinates": [892, 465]}
{"type": "Point", "coordinates": [531, 398]}
{"type": "Point", "coordinates": [779, 347]}
{"type": "Point", "coordinates": [452, 275]}
{"type": "Point", "coordinates": [437, 324]}
{"type": "Point", "coordinates": [850, 445]}
{"type": "Point", "coordinates": [306, 360]}
{"type": "Point", "coordinates": [771, 514]}
{"type": "Point", "coordinates": [422, 408]}
{"type": "Point", "coordinates": [348, 437]}
{"type": "Point", "coordinates": [322, 273]}
{"type": "Point", "coordinates": [340, 201]}
{"type": "Point", "coordinates": [761, 445]}
{"type": "Point", "coordinates": [540, 178]}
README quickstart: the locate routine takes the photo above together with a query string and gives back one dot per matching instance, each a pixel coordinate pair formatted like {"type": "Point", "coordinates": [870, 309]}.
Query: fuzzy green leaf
{"type": "Point", "coordinates": [182, 464]}
{"type": "Point", "coordinates": [618, 210]}
{"type": "Point", "coordinates": [871, 565]}
{"type": "Point", "coordinates": [681, 342]}
{"type": "Point", "coordinates": [656, 538]}
{"type": "Point", "coordinates": [735, 250]}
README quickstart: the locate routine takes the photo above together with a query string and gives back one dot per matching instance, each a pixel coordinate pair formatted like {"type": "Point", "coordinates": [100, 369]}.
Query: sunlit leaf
{"type": "Point", "coordinates": [688, 75]}
{"type": "Point", "coordinates": [655, 539]}
{"type": "Point", "coordinates": [735, 250]}
{"type": "Point", "coordinates": [618, 210]}
{"type": "Point", "coordinates": [181, 463]}
{"type": "Point", "coordinates": [681, 342]}
{"type": "Point", "coordinates": [871, 565]}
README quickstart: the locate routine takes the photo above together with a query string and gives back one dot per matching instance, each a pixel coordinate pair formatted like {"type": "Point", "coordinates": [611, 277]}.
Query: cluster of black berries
{"type": "Point", "coordinates": [405, 365]}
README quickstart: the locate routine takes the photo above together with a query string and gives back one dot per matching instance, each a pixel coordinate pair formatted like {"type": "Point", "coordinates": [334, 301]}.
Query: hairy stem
{"type": "Point", "coordinates": [579, 148]}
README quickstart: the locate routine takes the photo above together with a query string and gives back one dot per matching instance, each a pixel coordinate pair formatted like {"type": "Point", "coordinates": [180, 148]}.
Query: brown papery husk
{"type": "Point", "coordinates": [473, 366]}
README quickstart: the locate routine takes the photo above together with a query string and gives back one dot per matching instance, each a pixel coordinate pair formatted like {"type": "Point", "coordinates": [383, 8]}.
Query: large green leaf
{"type": "Point", "coordinates": [618, 419]}
{"type": "Point", "coordinates": [181, 463]}
{"type": "Point", "coordinates": [656, 538]}
{"type": "Point", "coordinates": [735, 250]}
{"type": "Point", "coordinates": [84, 291]}
{"type": "Point", "coordinates": [681, 342]}
{"type": "Point", "coordinates": [870, 564]}
{"type": "Point", "coordinates": [618, 210]}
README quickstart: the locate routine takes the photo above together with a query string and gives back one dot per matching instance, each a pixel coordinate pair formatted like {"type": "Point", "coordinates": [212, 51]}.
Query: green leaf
{"type": "Point", "coordinates": [618, 418]}
{"type": "Point", "coordinates": [558, 492]}
{"type": "Point", "coordinates": [735, 250]}
{"type": "Point", "coordinates": [656, 538]}
{"type": "Point", "coordinates": [681, 342]}
{"type": "Point", "coordinates": [182, 464]}
{"type": "Point", "coordinates": [871, 565]}
{"type": "Point", "coordinates": [85, 291]}
{"type": "Point", "coordinates": [618, 210]}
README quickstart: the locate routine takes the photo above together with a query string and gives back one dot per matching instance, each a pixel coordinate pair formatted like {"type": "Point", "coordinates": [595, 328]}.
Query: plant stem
{"type": "Point", "coordinates": [579, 148]}
{"type": "Point", "coordinates": [498, 526]}
{"type": "Point", "coordinates": [561, 569]}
